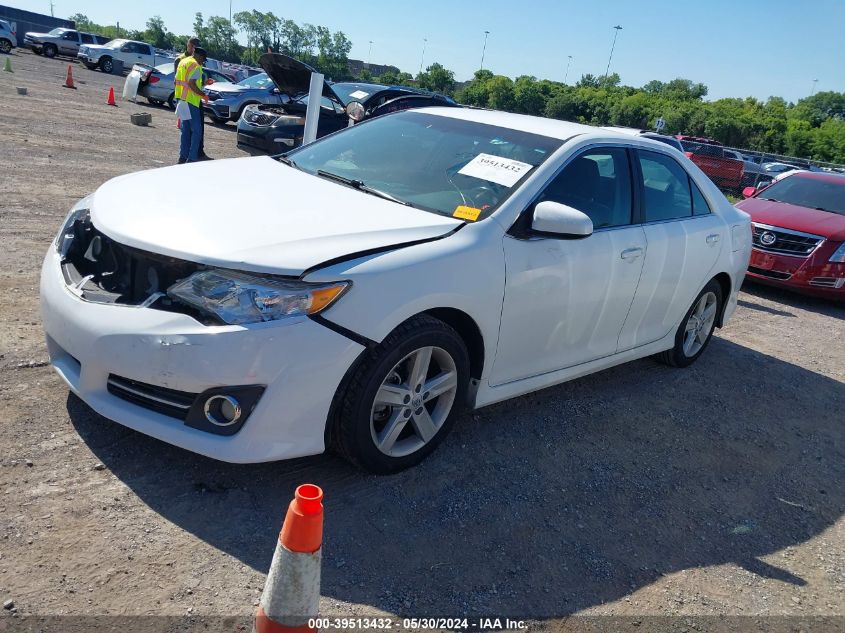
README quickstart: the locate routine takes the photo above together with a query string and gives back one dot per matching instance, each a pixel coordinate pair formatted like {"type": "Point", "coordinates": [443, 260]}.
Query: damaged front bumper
{"type": "Point", "coordinates": [119, 358]}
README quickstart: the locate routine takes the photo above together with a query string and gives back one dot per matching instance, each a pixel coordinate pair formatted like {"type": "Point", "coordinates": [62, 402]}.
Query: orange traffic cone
{"type": "Point", "coordinates": [291, 594]}
{"type": "Point", "coordinates": [111, 100]}
{"type": "Point", "coordinates": [69, 80]}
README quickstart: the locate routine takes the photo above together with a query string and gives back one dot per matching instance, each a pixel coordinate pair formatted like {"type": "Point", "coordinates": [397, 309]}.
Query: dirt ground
{"type": "Point", "coordinates": [638, 492]}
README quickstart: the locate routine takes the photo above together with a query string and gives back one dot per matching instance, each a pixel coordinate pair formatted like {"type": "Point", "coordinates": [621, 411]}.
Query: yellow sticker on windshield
{"type": "Point", "coordinates": [466, 213]}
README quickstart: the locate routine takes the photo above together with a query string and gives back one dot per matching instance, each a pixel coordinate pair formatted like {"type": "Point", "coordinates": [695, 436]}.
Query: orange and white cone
{"type": "Point", "coordinates": [291, 594]}
{"type": "Point", "coordinates": [69, 79]}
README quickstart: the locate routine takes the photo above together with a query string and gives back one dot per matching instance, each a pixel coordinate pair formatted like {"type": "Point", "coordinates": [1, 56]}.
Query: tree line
{"type": "Point", "coordinates": [813, 127]}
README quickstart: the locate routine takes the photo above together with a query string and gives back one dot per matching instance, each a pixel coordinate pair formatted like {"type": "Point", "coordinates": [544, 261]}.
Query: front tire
{"type": "Point", "coordinates": [402, 398]}
{"type": "Point", "coordinates": [696, 330]}
{"type": "Point", "coordinates": [107, 65]}
{"type": "Point", "coordinates": [5, 46]}
{"type": "Point", "coordinates": [50, 51]}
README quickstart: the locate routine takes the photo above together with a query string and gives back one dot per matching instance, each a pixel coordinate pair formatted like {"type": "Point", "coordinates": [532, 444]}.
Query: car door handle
{"type": "Point", "coordinates": [630, 254]}
{"type": "Point", "coordinates": [713, 238]}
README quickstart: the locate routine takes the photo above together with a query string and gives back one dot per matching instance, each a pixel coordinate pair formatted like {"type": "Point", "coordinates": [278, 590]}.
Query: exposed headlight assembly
{"type": "Point", "coordinates": [839, 254]}
{"type": "Point", "coordinates": [80, 211]}
{"type": "Point", "coordinates": [239, 298]}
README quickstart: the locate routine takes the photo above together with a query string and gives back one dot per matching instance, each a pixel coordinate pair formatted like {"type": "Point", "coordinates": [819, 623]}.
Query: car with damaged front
{"type": "Point", "coordinates": [375, 282]}
{"type": "Point", "coordinates": [274, 128]}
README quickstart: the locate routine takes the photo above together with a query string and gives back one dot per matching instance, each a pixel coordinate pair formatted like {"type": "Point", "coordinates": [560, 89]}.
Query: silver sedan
{"type": "Point", "coordinates": [157, 84]}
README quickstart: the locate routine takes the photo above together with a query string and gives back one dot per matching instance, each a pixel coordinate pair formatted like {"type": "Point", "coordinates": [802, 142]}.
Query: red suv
{"type": "Point", "coordinates": [798, 240]}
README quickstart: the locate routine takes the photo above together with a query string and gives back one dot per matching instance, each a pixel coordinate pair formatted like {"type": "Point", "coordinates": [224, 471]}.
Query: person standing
{"type": "Point", "coordinates": [189, 97]}
{"type": "Point", "coordinates": [190, 46]}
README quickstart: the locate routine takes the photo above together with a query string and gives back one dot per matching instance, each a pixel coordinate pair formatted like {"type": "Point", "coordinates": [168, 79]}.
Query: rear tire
{"type": "Point", "coordinates": [5, 46]}
{"type": "Point", "coordinates": [50, 51]}
{"type": "Point", "coordinates": [696, 329]}
{"type": "Point", "coordinates": [401, 399]}
{"type": "Point", "coordinates": [106, 65]}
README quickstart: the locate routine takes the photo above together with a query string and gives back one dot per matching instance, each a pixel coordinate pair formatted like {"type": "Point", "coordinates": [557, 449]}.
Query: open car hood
{"type": "Point", "coordinates": [274, 219]}
{"type": "Point", "coordinates": [291, 76]}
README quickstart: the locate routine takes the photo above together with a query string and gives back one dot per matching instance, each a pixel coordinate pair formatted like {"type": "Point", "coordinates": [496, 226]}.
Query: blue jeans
{"type": "Point", "coordinates": [189, 145]}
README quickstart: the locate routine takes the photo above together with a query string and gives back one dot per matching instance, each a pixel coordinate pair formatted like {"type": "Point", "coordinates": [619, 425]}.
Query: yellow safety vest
{"type": "Point", "coordinates": [186, 68]}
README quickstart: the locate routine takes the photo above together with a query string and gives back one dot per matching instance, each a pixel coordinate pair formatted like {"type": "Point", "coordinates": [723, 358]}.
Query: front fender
{"type": "Point", "coordinates": [464, 271]}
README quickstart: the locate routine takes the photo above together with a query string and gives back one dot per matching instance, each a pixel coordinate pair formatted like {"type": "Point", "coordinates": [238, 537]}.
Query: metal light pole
{"type": "Point", "coordinates": [815, 81]}
{"type": "Point", "coordinates": [568, 64]}
{"type": "Point", "coordinates": [370, 53]}
{"type": "Point", "coordinates": [612, 46]}
{"type": "Point", "coordinates": [484, 49]}
{"type": "Point", "coordinates": [422, 58]}
{"type": "Point", "coordinates": [231, 30]}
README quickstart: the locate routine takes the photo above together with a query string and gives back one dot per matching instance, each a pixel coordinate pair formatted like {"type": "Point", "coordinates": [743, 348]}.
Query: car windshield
{"type": "Point", "coordinates": [115, 43]}
{"type": "Point", "coordinates": [57, 31]}
{"type": "Point", "coordinates": [257, 81]}
{"type": "Point", "coordinates": [813, 193]}
{"type": "Point", "coordinates": [165, 69]}
{"type": "Point", "coordinates": [431, 162]}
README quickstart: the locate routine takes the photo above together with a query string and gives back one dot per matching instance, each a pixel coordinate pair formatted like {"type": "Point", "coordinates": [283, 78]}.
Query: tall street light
{"type": "Point", "coordinates": [815, 81]}
{"type": "Point", "coordinates": [370, 53]}
{"type": "Point", "coordinates": [422, 57]}
{"type": "Point", "coordinates": [612, 46]}
{"type": "Point", "coordinates": [484, 49]}
{"type": "Point", "coordinates": [568, 64]}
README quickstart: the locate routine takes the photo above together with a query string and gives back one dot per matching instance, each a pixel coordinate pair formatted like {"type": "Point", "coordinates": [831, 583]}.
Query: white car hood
{"type": "Point", "coordinates": [266, 217]}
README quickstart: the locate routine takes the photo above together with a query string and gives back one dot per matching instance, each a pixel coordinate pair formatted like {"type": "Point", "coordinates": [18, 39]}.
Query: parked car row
{"type": "Point", "coordinates": [61, 41]}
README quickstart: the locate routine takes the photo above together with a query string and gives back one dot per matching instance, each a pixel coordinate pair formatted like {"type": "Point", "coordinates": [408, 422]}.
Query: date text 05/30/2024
{"type": "Point", "coordinates": [419, 624]}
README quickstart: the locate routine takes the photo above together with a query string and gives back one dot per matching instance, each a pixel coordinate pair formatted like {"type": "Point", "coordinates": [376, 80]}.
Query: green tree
{"type": "Point", "coordinates": [437, 78]}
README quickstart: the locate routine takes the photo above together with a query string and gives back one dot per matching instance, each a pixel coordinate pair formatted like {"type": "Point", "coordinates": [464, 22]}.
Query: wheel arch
{"type": "Point", "coordinates": [468, 330]}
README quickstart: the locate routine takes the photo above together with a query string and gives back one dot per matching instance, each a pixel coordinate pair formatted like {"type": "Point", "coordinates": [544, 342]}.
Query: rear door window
{"type": "Point", "coordinates": [87, 39]}
{"type": "Point", "coordinates": [666, 188]}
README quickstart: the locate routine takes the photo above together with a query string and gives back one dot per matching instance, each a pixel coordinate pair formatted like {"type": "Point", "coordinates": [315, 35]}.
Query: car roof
{"type": "Point", "coordinates": [552, 128]}
{"type": "Point", "coordinates": [824, 176]}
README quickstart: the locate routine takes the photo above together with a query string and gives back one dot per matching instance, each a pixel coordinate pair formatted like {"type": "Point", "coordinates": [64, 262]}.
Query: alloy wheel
{"type": "Point", "coordinates": [700, 324]}
{"type": "Point", "coordinates": [414, 401]}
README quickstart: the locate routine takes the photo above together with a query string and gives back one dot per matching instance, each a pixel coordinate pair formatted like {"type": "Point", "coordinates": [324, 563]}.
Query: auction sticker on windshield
{"type": "Point", "coordinates": [502, 171]}
{"type": "Point", "coordinates": [358, 94]}
{"type": "Point", "coordinates": [466, 213]}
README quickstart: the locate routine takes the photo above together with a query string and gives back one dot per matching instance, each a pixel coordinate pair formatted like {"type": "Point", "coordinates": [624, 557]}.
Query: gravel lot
{"type": "Point", "coordinates": [640, 491]}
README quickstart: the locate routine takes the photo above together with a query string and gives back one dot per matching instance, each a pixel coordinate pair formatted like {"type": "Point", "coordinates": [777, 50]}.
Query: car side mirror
{"type": "Point", "coordinates": [748, 192]}
{"type": "Point", "coordinates": [554, 218]}
{"type": "Point", "coordinates": [356, 111]}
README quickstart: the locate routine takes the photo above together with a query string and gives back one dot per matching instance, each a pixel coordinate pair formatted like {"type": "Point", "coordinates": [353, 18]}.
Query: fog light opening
{"type": "Point", "coordinates": [222, 410]}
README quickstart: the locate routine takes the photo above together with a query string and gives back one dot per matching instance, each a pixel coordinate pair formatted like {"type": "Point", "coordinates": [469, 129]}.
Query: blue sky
{"type": "Point", "coordinates": [738, 48]}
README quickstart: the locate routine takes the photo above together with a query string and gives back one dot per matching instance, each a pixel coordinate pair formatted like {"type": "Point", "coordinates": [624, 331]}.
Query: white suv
{"type": "Point", "coordinates": [8, 38]}
{"type": "Point", "coordinates": [375, 282]}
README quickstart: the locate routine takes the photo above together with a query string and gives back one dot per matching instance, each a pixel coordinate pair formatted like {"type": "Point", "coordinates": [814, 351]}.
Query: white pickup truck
{"type": "Point", "coordinates": [127, 51]}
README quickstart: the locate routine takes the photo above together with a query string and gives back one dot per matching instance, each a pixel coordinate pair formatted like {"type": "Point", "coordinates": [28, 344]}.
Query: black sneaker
{"type": "Point", "coordinates": [204, 157]}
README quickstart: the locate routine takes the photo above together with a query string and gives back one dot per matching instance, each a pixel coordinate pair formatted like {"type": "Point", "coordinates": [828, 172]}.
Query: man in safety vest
{"type": "Point", "coordinates": [189, 95]}
{"type": "Point", "coordinates": [190, 47]}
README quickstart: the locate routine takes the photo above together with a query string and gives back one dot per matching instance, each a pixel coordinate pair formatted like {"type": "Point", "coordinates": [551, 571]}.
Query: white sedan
{"type": "Point", "coordinates": [370, 285]}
